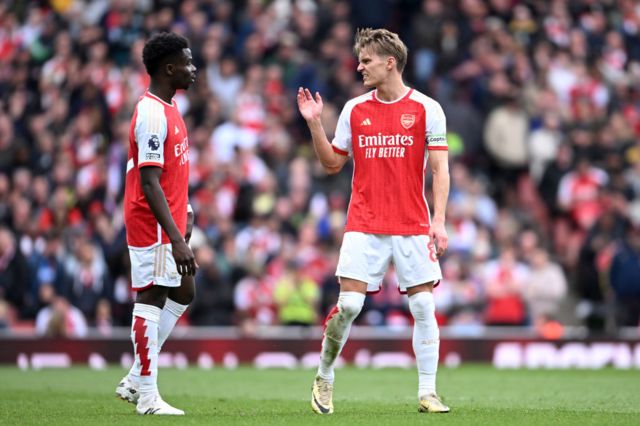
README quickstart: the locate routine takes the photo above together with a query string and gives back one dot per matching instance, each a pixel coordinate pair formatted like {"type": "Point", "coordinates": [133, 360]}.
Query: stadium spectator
{"type": "Point", "coordinates": [593, 288]}
{"type": "Point", "coordinates": [89, 279]}
{"type": "Point", "coordinates": [461, 301]}
{"type": "Point", "coordinates": [579, 193]}
{"type": "Point", "coordinates": [103, 320]}
{"type": "Point", "coordinates": [61, 319]}
{"type": "Point", "coordinates": [214, 304]}
{"type": "Point", "coordinates": [503, 281]}
{"type": "Point", "coordinates": [425, 39]}
{"type": "Point", "coordinates": [14, 270]}
{"type": "Point", "coordinates": [49, 275]}
{"type": "Point", "coordinates": [253, 299]}
{"type": "Point", "coordinates": [543, 145]}
{"type": "Point", "coordinates": [545, 288]}
{"type": "Point", "coordinates": [505, 135]}
{"type": "Point", "coordinates": [296, 296]}
{"type": "Point", "coordinates": [625, 270]}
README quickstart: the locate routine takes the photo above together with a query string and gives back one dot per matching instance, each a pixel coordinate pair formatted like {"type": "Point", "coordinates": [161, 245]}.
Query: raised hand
{"type": "Point", "coordinates": [310, 108]}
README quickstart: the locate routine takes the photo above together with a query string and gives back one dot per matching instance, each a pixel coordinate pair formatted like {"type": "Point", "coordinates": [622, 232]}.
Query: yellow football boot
{"type": "Point", "coordinates": [431, 404]}
{"type": "Point", "coordinates": [322, 396]}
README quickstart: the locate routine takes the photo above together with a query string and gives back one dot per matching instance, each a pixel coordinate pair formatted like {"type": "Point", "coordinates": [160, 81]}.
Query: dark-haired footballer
{"type": "Point", "coordinates": [158, 218]}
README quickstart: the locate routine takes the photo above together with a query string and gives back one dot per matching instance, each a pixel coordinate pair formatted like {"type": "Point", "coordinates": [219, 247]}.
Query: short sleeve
{"type": "Point", "coordinates": [150, 133]}
{"type": "Point", "coordinates": [342, 139]}
{"type": "Point", "coordinates": [436, 127]}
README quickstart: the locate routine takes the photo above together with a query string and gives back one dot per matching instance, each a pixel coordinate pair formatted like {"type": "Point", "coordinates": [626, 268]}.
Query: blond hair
{"type": "Point", "coordinates": [382, 42]}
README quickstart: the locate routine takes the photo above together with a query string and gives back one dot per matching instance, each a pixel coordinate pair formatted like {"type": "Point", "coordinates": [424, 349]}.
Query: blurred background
{"type": "Point", "coordinates": [542, 100]}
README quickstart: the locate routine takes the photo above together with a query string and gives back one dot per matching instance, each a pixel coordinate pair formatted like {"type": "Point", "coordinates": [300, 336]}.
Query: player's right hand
{"type": "Point", "coordinates": [310, 108]}
{"type": "Point", "coordinates": [184, 257]}
{"type": "Point", "coordinates": [439, 237]}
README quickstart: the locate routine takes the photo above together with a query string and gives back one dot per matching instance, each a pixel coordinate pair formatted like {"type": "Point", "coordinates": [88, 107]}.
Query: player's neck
{"type": "Point", "coordinates": [391, 90]}
{"type": "Point", "coordinates": [161, 91]}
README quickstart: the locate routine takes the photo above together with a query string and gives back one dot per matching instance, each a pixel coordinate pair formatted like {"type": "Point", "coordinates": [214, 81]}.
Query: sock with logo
{"type": "Point", "coordinates": [426, 341]}
{"type": "Point", "coordinates": [337, 327]}
{"type": "Point", "coordinates": [144, 334]}
{"type": "Point", "coordinates": [171, 313]}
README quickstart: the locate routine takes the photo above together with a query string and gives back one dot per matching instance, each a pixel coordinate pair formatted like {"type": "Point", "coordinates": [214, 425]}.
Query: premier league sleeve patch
{"type": "Point", "coordinates": [154, 142]}
{"type": "Point", "coordinates": [153, 150]}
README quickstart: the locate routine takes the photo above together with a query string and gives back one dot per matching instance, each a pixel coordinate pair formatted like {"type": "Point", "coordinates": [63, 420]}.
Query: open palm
{"type": "Point", "coordinates": [309, 107]}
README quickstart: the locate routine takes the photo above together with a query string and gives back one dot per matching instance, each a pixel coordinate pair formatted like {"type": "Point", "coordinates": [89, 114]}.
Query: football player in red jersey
{"type": "Point", "coordinates": [392, 133]}
{"type": "Point", "coordinates": [158, 219]}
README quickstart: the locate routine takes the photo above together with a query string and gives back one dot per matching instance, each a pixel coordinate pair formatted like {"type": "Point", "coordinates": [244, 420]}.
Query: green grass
{"type": "Point", "coordinates": [476, 394]}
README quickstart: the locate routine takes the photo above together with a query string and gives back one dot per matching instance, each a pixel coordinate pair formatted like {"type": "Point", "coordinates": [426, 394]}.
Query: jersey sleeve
{"type": "Point", "coordinates": [342, 140]}
{"type": "Point", "coordinates": [150, 133]}
{"type": "Point", "coordinates": [436, 136]}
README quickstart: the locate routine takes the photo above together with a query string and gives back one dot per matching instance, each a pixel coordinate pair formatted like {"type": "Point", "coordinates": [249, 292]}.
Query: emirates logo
{"type": "Point", "coordinates": [407, 120]}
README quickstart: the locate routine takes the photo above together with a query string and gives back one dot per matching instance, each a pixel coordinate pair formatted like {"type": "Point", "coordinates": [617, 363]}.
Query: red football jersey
{"type": "Point", "coordinates": [389, 143]}
{"type": "Point", "coordinates": [157, 137]}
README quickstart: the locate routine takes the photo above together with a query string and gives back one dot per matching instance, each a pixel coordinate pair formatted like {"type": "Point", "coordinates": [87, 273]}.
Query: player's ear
{"type": "Point", "coordinates": [169, 69]}
{"type": "Point", "coordinates": [391, 62]}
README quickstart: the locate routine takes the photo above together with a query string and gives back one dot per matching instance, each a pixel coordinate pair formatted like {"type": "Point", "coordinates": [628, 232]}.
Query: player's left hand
{"type": "Point", "coordinates": [438, 235]}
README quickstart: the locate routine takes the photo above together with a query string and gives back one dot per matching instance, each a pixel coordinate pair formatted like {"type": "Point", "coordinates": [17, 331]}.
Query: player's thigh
{"type": "Point", "coordinates": [184, 294]}
{"type": "Point", "coordinates": [153, 266]}
{"type": "Point", "coordinates": [364, 258]}
{"type": "Point", "coordinates": [349, 284]}
{"type": "Point", "coordinates": [415, 261]}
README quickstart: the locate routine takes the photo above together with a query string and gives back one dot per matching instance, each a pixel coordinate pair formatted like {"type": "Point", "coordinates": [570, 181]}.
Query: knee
{"type": "Point", "coordinates": [186, 297]}
{"type": "Point", "coordinates": [422, 307]}
{"type": "Point", "coordinates": [184, 294]}
{"type": "Point", "coordinates": [350, 307]}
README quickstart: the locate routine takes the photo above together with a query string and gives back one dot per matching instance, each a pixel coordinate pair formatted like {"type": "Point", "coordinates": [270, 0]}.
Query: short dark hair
{"type": "Point", "coordinates": [160, 47]}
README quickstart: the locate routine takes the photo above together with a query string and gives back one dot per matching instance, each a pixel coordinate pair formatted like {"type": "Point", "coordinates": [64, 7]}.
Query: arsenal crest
{"type": "Point", "coordinates": [407, 120]}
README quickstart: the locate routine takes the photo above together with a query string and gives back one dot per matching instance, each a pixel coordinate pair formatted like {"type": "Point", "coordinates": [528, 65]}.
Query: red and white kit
{"type": "Point", "coordinates": [390, 144]}
{"type": "Point", "coordinates": [157, 137]}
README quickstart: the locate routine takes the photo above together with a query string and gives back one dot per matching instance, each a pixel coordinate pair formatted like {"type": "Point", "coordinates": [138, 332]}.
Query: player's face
{"type": "Point", "coordinates": [373, 67]}
{"type": "Point", "coordinates": [184, 71]}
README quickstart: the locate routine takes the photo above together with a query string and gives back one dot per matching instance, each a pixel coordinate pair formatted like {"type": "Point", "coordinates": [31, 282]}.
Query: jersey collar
{"type": "Point", "coordinates": [151, 95]}
{"type": "Point", "coordinates": [408, 93]}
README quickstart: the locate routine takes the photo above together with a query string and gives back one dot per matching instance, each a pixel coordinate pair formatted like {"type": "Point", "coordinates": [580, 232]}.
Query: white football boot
{"type": "Point", "coordinates": [154, 404]}
{"type": "Point", "coordinates": [127, 390]}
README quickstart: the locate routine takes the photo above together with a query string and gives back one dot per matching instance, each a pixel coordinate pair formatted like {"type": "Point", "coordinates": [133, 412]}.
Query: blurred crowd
{"type": "Point", "coordinates": [543, 110]}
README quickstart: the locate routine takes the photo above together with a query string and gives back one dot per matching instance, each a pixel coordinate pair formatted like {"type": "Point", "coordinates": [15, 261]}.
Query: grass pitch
{"type": "Point", "coordinates": [476, 394]}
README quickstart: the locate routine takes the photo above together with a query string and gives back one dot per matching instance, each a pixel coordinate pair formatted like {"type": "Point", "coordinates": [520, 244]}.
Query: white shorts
{"type": "Point", "coordinates": [365, 257]}
{"type": "Point", "coordinates": [153, 266]}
